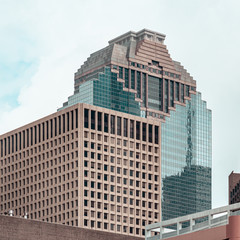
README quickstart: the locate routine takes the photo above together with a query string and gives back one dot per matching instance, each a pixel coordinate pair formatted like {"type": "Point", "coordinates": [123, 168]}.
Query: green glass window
{"type": "Point", "coordinates": [132, 79]}
{"type": "Point", "coordinates": [120, 72]}
{"type": "Point", "coordinates": [126, 77]}
{"type": "Point", "coordinates": [138, 85]}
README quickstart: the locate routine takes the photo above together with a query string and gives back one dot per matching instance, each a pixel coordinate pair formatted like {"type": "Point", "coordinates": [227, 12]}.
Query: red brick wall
{"type": "Point", "coordinates": [233, 180]}
{"type": "Point", "coordinates": [14, 228]}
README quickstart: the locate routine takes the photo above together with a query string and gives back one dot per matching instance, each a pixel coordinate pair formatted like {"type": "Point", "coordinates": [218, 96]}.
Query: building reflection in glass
{"type": "Point", "coordinates": [186, 159]}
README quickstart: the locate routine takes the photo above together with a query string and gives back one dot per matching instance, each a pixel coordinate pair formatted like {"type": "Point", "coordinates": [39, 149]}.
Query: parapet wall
{"type": "Point", "coordinates": [14, 228]}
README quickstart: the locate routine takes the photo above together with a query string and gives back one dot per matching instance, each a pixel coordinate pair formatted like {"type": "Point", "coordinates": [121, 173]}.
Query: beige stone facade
{"type": "Point", "coordinates": [84, 166]}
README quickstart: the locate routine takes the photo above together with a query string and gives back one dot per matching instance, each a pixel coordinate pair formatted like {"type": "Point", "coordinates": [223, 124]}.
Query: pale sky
{"type": "Point", "coordinates": [44, 42]}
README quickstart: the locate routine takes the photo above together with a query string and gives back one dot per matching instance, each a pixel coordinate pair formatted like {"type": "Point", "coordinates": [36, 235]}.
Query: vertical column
{"type": "Point", "coordinates": [209, 220]}
{"type": "Point", "coordinates": [148, 234]}
{"type": "Point", "coordinates": [192, 223]}
{"type": "Point", "coordinates": [179, 227]}
{"type": "Point", "coordinates": [161, 231]}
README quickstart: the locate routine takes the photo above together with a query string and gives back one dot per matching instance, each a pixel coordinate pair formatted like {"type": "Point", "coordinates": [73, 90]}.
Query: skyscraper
{"type": "Point", "coordinates": [135, 74]}
{"type": "Point", "coordinates": [132, 146]}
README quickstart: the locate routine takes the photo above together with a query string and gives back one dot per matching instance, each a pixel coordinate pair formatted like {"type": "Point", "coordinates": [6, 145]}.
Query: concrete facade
{"type": "Point", "coordinates": [84, 166]}
{"type": "Point", "coordinates": [230, 231]}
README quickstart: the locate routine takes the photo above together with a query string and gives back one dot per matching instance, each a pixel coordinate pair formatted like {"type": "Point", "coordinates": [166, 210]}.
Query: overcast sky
{"type": "Point", "coordinates": [43, 42]}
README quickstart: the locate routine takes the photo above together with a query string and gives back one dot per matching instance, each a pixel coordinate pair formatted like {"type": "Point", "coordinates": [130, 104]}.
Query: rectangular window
{"type": "Point", "coordinates": [35, 134]}
{"type": "Point", "coordinates": [150, 132]}
{"type": "Point", "coordinates": [138, 85]}
{"type": "Point", "coordinates": [8, 145]}
{"type": "Point", "coordinates": [121, 72]}
{"type": "Point", "coordinates": [93, 114]}
{"type": "Point", "coordinates": [138, 130]}
{"type": "Point", "coordinates": [187, 91]}
{"type": "Point", "coordinates": [86, 112]}
{"type": "Point", "coordinates": [177, 91]}
{"type": "Point", "coordinates": [125, 127]}
{"type": "Point", "coordinates": [166, 95]}
{"type": "Point", "coordinates": [1, 148]}
{"type": "Point", "coordinates": [55, 126]}
{"type": "Point", "coordinates": [31, 130]}
{"type": "Point", "coordinates": [126, 77]}
{"type": "Point", "coordinates": [144, 131]}
{"type": "Point", "coordinates": [132, 79]}
{"type": "Point", "coordinates": [144, 84]}
{"type": "Point", "coordinates": [119, 126]}
{"type": "Point", "coordinates": [63, 124]}
{"type": "Point", "coordinates": [5, 146]}
{"type": "Point", "coordinates": [68, 121]}
{"type": "Point", "coordinates": [112, 124]}
{"type": "Point", "coordinates": [131, 128]}
{"type": "Point", "coordinates": [171, 94]}
{"type": "Point", "coordinates": [105, 122]}
{"type": "Point", "coordinates": [156, 134]}
{"type": "Point", "coordinates": [24, 139]}
{"type": "Point", "coordinates": [155, 93]}
{"type": "Point", "coordinates": [182, 93]}
{"type": "Point", "coordinates": [59, 125]}
{"type": "Point", "coordinates": [72, 120]}
{"type": "Point", "coordinates": [99, 121]}
{"type": "Point", "coordinates": [12, 143]}
{"type": "Point", "coordinates": [16, 142]}
{"type": "Point", "coordinates": [28, 136]}
{"type": "Point", "coordinates": [76, 117]}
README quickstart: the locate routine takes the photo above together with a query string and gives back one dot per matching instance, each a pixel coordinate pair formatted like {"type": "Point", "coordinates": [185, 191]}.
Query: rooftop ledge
{"type": "Point", "coordinates": [208, 219]}
{"type": "Point", "coordinates": [138, 36]}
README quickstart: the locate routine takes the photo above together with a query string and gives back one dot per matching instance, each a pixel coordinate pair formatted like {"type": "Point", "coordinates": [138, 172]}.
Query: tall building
{"type": "Point", "coordinates": [135, 74]}
{"type": "Point", "coordinates": [234, 188]}
{"type": "Point", "coordinates": [131, 147]}
{"type": "Point", "coordinates": [84, 166]}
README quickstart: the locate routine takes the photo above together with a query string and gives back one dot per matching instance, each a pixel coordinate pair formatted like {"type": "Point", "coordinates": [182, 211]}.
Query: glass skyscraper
{"type": "Point", "coordinates": [135, 74]}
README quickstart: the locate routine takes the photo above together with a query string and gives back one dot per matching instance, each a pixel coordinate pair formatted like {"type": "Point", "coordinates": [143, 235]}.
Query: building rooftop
{"type": "Point", "coordinates": [192, 223]}
{"type": "Point", "coordinates": [137, 36]}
